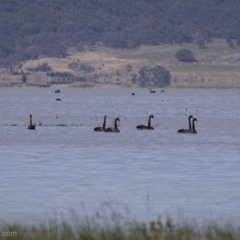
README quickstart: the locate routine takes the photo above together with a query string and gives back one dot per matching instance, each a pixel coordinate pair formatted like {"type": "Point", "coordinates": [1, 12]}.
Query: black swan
{"type": "Point", "coordinates": [193, 126]}
{"type": "Point", "coordinates": [186, 130]}
{"type": "Point", "coordinates": [101, 129]}
{"type": "Point", "coordinates": [152, 91]}
{"type": "Point", "coordinates": [31, 126]}
{"type": "Point", "coordinates": [115, 129]}
{"type": "Point", "coordinates": [148, 127]}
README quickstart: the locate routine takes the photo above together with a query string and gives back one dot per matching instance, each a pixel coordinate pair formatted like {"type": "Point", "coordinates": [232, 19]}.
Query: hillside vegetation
{"type": "Point", "coordinates": [126, 43]}
{"type": "Point", "coordinates": [217, 65]}
{"type": "Point", "coordinates": [30, 28]}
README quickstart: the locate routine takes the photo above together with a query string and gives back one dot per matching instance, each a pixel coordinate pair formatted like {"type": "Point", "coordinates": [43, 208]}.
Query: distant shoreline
{"type": "Point", "coordinates": [217, 66]}
{"type": "Point", "coordinates": [116, 87]}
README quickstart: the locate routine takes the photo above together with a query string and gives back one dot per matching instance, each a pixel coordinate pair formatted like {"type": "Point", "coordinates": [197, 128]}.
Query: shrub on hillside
{"type": "Point", "coordinates": [185, 55]}
{"type": "Point", "coordinates": [44, 67]}
{"type": "Point", "coordinates": [201, 43]}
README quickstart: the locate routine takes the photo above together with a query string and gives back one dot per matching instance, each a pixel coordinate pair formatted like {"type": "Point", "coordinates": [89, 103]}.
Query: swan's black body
{"type": "Point", "coordinates": [101, 129]}
{"type": "Point", "coordinates": [115, 129]}
{"type": "Point", "coordinates": [148, 127]}
{"type": "Point", "coordinates": [31, 126]}
{"type": "Point", "coordinates": [187, 130]}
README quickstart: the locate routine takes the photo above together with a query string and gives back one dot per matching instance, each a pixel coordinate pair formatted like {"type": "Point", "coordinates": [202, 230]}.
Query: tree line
{"type": "Point", "coordinates": [29, 28]}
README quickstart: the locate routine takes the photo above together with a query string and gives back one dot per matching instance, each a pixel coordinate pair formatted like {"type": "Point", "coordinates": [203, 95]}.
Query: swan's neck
{"type": "Point", "coordinates": [149, 122]}
{"type": "Point", "coordinates": [193, 125]}
{"type": "Point", "coordinates": [30, 121]}
{"type": "Point", "coordinates": [104, 123]}
{"type": "Point", "coordinates": [189, 120]}
{"type": "Point", "coordinates": [115, 124]}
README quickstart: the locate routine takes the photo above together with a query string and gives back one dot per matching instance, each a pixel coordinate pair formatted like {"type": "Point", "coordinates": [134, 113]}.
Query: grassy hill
{"type": "Point", "coordinates": [217, 66]}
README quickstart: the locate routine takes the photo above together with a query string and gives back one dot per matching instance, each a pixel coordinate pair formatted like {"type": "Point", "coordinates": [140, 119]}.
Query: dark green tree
{"type": "Point", "coordinates": [24, 78]}
{"type": "Point", "coordinates": [153, 77]}
{"type": "Point", "coordinates": [231, 44]}
{"type": "Point", "coordinates": [201, 43]}
{"type": "Point", "coordinates": [185, 55]}
{"type": "Point", "coordinates": [128, 68]}
{"type": "Point", "coordinates": [228, 40]}
{"type": "Point", "coordinates": [238, 42]}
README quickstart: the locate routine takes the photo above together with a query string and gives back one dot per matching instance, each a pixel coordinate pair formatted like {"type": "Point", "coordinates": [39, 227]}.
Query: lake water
{"type": "Point", "coordinates": [140, 174]}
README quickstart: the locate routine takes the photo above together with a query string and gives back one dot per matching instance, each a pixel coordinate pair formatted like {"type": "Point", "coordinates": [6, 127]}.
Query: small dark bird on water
{"type": "Point", "coordinates": [152, 91]}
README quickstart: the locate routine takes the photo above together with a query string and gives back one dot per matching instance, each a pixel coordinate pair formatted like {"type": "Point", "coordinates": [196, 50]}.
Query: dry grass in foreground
{"type": "Point", "coordinates": [91, 230]}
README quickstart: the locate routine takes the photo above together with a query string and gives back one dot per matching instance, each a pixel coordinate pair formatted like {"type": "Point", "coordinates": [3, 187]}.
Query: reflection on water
{"type": "Point", "coordinates": [145, 172]}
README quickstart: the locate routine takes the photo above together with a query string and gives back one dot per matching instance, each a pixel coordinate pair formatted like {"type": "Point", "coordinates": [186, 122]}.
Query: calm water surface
{"type": "Point", "coordinates": [136, 173]}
